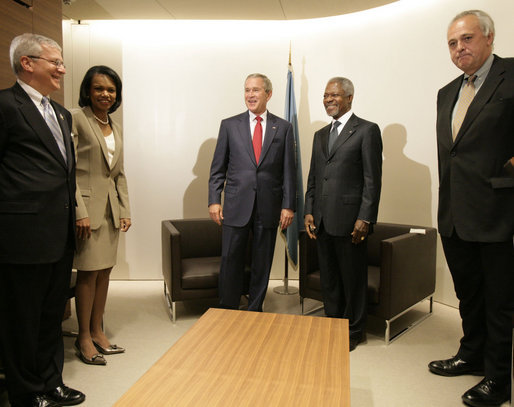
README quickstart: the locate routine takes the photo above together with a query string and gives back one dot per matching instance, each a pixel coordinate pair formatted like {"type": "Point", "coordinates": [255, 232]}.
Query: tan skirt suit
{"type": "Point", "coordinates": [102, 192]}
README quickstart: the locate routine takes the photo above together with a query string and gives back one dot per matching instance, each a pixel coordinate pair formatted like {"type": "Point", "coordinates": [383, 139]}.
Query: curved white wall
{"type": "Point", "coordinates": [181, 78]}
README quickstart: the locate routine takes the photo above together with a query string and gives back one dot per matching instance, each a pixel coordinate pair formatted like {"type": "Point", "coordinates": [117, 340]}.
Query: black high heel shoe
{"type": "Point", "coordinates": [97, 359]}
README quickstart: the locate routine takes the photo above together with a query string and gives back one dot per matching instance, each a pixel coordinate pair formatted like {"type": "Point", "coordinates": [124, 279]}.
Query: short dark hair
{"type": "Point", "coordinates": [85, 86]}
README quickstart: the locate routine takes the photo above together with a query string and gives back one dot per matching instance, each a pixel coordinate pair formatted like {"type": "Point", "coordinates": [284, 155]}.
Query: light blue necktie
{"type": "Point", "coordinates": [51, 120]}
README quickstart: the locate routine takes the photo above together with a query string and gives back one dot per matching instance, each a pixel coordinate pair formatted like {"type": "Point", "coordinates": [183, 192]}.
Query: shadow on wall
{"type": "Point", "coordinates": [307, 127]}
{"type": "Point", "coordinates": [406, 185]}
{"type": "Point", "coordinates": [196, 195]}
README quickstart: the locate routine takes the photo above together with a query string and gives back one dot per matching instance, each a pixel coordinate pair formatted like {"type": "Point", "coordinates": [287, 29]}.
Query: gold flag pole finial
{"type": "Point", "coordinates": [289, 52]}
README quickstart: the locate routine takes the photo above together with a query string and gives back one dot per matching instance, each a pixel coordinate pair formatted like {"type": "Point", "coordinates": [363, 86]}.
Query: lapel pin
{"type": "Point", "coordinates": [61, 116]}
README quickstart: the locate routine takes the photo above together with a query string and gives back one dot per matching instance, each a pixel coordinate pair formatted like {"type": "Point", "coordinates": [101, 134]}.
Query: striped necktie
{"type": "Point", "coordinates": [466, 97]}
{"type": "Point", "coordinates": [51, 121]}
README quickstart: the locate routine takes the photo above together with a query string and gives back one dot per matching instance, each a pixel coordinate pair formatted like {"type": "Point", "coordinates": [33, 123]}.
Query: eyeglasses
{"type": "Point", "coordinates": [57, 63]}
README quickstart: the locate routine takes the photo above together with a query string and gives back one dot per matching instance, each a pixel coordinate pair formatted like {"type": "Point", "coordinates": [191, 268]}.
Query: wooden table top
{"type": "Point", "coordinates": [241, 358]}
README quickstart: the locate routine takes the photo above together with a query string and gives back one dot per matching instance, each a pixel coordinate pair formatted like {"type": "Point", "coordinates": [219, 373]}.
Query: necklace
{"type": "Point", "coordinates": [105, 123]}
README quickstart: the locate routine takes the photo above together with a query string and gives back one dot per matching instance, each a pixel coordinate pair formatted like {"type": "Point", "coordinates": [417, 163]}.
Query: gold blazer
{"type": "Point", "coordinates": [98, 183]}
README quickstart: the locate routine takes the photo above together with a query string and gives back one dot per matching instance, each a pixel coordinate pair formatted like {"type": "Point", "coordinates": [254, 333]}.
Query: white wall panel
{"type": "Point", "coordinates": [181, 78]}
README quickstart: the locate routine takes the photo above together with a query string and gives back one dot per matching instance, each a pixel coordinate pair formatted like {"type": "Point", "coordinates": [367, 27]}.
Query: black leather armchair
{"type": "Point", "coordinates": [401, 271]}
{"type": "Point", "coordinates": [191, 258]}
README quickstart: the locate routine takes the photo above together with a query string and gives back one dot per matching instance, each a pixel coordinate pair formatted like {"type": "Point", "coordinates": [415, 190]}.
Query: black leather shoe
{"type": "Point", "coordinates": [455, 367]}
{"type": "Point", "coordinates": [35, 401]}
{"type": "Point", "coordinates": [65, 396]}
{"type": "Point", "coordinates": [487, 393]}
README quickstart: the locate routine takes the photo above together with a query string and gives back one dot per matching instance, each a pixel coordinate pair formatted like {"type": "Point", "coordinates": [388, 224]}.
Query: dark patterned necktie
{"type": "Point", "coordinates": [333, 135]}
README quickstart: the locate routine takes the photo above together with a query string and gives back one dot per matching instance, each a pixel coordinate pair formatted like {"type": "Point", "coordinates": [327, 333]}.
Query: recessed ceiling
{"type": "Point", "coordinates": [213, 9]}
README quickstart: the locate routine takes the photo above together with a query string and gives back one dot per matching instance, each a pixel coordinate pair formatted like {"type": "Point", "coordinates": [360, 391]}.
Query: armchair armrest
{"type": "Point", "coordinates": [309, 283]}
{"type": "Point", "coordinates": [407, 272]}
{"type": "Point", "coordinates": [170, 254]}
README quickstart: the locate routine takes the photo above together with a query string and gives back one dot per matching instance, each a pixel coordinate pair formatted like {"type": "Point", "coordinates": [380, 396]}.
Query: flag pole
{"type": "Point", "coordinates": [285, 289]}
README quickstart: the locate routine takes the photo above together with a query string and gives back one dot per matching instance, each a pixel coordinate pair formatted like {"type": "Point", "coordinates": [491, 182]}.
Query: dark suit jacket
{"type": "Point", "coordinates": [272, 182]}
{"type": "Point", "coordinates": [37, 187]}
{"type": "Point", "coordinates": [344, 185]}
{"type": "Point", "coordinates": [476, 196]}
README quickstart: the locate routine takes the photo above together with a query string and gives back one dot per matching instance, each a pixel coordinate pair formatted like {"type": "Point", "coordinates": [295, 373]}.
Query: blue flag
{"type": "Point", "coordinates": [292, 232]}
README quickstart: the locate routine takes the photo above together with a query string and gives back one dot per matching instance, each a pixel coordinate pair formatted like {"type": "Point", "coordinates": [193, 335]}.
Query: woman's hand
{"type": "Point", "coordinates": [83, 228]}
{"type": "Point", "coordinates": [125, 224]}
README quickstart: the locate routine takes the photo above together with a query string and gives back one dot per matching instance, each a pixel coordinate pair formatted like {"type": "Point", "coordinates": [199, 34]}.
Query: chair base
{"type": "Point", "coordinates": [388, 338]}
{"type": "Point", "coordinates": [171, 305]}
{"type": "Point", "coordinates": [387, 334]}
{"type": "Point", "coordinates": [312, 311]}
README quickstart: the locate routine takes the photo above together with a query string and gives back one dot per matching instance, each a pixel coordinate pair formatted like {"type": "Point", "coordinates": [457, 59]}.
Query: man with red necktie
{"type": "Point", "coordinates": [254, 165]}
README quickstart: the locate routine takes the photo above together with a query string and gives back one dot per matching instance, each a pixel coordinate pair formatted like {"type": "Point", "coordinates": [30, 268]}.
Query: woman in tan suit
{"type": "Point", "coordinates": [102, 206]}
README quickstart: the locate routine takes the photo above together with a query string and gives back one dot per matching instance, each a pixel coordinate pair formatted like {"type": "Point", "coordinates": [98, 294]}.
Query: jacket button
{"type": "Point", "coordinates": [453, 154]}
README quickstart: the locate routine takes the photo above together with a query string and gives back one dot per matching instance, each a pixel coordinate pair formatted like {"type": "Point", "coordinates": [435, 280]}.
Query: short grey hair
{"type": "Point", "coordinates": [346, 84]}
{"type": "Point", "coordinates": [268, 87]}
{"type": "Point", "coordinates": [28, 44]}
{"type": "Point", "coordinates": [484, 20]}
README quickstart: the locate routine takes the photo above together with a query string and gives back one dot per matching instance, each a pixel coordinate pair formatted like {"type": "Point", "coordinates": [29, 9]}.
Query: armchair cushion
{"type": "Point", "coordinates": [200, 272]}
{"type": "Point", "coordinates": [191, 259]}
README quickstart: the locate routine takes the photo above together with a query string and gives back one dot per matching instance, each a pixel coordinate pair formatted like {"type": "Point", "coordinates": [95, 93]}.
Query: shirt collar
{"type": "Point", "coordinates": [343, 119]}
{"type": "Point", "coordinates": [34, 95]}
{"type": "Point", "coordinates": [483, 70]}
{"type": "Point", "coordinates": [253, 116]}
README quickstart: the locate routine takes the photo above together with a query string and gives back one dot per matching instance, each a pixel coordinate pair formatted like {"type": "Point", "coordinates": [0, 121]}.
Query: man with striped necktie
{"type": "Point", "coordinates": [475, 142]}
{"type": "Point", "coordinates": [37, 225]}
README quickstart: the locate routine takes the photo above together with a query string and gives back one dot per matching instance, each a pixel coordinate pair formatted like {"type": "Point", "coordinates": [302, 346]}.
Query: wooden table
{"type": "Point", "coordinates": [241, 358]}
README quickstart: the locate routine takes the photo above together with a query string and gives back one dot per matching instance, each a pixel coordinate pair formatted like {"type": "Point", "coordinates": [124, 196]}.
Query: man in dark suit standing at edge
{"type": "Point", "coordinates": [254, 163]}
{"type": "Point", "coordinates": [37, 235]}
{"type": "Point", "coordinates": [475, 143]}
{"type": "Point", "coordinates": [341, 204]}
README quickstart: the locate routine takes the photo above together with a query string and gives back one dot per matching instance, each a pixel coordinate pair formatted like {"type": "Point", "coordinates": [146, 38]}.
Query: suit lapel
{"type": "Point", "coordinates": [98, 133]}
{"type": "Point", "coordinates": [447, 108]}
{"type": "Point", "coordinates": [324, 133]}
{"type": "Point", "coordinates": [246, 135]}
{"type": "Point", "coordinates": [346, 133]}
{"type": "Point", "coordinates": [493, 80]}
{"type": "Point", "coordinates": [271, 131]}
{"type": "Point", "coordinates": [35, 120]}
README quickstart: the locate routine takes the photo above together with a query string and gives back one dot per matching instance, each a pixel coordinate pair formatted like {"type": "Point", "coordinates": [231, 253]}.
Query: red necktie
{"type": "Point", "coordinates": [257, 139]}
